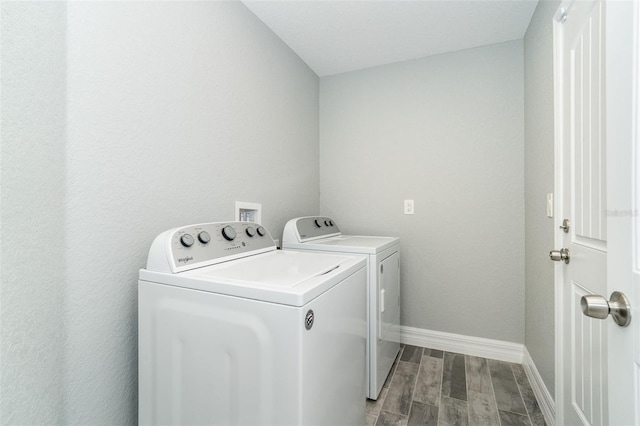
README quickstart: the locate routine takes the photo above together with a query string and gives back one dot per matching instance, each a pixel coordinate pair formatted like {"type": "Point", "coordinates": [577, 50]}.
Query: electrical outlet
{"type": "Point", "coordinates": [408, 207]}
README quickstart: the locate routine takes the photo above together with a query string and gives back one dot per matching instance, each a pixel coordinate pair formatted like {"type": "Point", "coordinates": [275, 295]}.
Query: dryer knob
{"type": "Point", "coordinates": [327, 222]}
{"type": "Point", "coordinates": [318, 223]}
{"type": "Point", "coordinates": [251, 231]}
{"type": "Point", "coordinates": [228, 233]}
{"type": "Point", "coordinates": [187, 240]}
{"type": "Point", "coordinates": [261, 231]}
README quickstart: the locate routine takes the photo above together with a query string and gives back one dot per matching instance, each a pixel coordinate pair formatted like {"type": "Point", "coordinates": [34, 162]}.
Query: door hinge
{"type": "Point", "coordinates": [563, 15]}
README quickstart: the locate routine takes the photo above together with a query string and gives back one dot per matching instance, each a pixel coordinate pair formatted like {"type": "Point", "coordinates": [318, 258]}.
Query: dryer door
{"type": "Point", "coordinates": [389, 292]}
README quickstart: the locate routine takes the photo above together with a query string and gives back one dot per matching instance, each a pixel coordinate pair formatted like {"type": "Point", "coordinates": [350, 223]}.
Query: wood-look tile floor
{"type": "Point", "coordinates": [431, 387]}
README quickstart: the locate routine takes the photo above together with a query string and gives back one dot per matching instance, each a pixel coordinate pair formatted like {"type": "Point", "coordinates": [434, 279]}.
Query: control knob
{"type": "Point", "coordinates": [261, 231]}
{"type": "Point", "coordinates": [187, 240]}
{"type": "Point", "coordinates": [318, 223]}
{"type": "Point", "coordinates": [228, 233]}
{"type": "Point", "coordinates": [204, 237]}
{"type": "Point", "coordinates": [251, 231]}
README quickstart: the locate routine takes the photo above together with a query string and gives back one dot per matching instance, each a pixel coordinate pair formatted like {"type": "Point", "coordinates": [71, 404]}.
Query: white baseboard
{"type": "Point", "coordinates": [468, 345]}
{"type": "Point", "coordinates": [547, 404]}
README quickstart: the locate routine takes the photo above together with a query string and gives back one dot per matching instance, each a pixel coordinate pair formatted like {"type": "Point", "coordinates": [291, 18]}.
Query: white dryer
{"type": "Point", "coordinates": [321, 234]}
{"type": "Point", "coordinates": [232, 331]}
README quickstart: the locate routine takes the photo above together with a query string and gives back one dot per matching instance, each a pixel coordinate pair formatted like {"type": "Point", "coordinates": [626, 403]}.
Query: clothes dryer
{"type": "Point", "coordinates": [322, 235]}
{"type": "Point", "coordinates": [234, 332]}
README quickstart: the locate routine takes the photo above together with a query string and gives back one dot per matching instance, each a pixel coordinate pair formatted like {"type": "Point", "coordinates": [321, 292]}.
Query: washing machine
{"type": "Point", "coordinates": [322, 235]}
{"type": "Point", "coordinates": [233, 331]}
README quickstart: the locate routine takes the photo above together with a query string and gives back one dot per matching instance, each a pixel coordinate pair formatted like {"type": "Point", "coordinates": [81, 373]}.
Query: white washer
{"type": "Point", "coordinates": [232, 331]}
{"type": "Point", "coordinates": [321, 234]}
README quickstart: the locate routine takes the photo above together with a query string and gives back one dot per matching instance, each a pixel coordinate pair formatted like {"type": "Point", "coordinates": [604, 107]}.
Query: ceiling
{"type": "Point", "coordinates": [334, 37]}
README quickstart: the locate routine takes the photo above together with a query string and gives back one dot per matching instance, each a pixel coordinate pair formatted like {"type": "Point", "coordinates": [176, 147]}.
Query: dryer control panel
{"type": "Point", "coordinates": [309, 228]}
{"type": "Point", "coordinates": [195, 246]}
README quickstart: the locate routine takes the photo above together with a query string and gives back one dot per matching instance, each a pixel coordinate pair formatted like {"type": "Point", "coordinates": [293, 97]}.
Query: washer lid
{"type": "Point", "coordinates": [348, 244]}
{"type": "Point", "coordinates": [286, 277]}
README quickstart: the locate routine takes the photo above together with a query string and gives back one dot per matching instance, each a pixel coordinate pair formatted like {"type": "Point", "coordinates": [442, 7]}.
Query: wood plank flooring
{"type": "Point", "coordinates": [436, 388]}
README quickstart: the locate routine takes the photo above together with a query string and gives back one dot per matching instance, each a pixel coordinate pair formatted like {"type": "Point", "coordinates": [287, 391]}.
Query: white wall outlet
{"type": "Point", "coordinates": [408, 207]}
{"type": "Point", "coordinates": [550, 204]}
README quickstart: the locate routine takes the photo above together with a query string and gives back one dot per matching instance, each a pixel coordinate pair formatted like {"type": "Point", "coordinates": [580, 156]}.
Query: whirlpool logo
{"type": "Point", "coordinates": [185, 259]}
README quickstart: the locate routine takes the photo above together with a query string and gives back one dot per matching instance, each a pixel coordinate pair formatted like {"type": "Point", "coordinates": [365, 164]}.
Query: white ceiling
{"type": "Point", "coordinates": [333, 37]}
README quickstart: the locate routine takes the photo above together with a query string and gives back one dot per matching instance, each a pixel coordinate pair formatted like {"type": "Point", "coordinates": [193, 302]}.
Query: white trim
{"type": "Point", "coordinates": [467, 345]}
{"type": "Point", "coordinates": [558, 279]}
{"type": "Point", "coordinates": [545, 400]}
{"type": "Point", "coordinates": [635, 169]}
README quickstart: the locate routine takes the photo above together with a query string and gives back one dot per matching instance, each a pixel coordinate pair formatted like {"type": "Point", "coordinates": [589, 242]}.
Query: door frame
{"type": "Point", "coordinates": [622, 110]}
{"type": "Point", "coordinates": [558, 195]}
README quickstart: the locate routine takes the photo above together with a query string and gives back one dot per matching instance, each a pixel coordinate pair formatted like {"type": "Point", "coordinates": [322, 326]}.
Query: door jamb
{"type": "Point", "coordinates": [558, 281]}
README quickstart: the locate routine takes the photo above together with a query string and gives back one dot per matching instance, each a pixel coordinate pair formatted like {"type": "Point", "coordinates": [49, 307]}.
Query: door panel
{"type": "Point", "coordinates": [587, 122]}
{"type": "Point", "coordinates": [587, 359]}
{"type": "Point", "coordinates": [583, 201]}
{"type": "Point", "coordinates": [598, 361]}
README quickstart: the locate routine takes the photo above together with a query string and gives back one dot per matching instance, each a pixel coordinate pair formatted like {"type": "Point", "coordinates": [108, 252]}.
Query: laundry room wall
{"type": "Point", "coordinates": [539, 173]}
{"type": "Point", "coordinates": [140, 116]}
{"type": "Point", "coordinates": [447, 132]}
{"type": "Point", "coordinates": [32, 160]}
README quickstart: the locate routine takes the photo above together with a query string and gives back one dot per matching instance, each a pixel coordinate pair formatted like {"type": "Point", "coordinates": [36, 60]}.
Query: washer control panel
{"type": "Point", "coordinates": [194, 246]}
{"type": "Point", "coordinates": [312, 227]}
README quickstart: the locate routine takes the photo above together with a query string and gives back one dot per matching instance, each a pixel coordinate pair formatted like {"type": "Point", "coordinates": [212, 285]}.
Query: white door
{"type": "Point", "coordinates": [583, 392]}
{"type": "Point", "coordinates": [595, 381]}
{"type": "Point", "coordinates": [623, 263]}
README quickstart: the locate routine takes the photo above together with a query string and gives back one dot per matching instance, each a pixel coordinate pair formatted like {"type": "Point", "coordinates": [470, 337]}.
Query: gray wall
{"type": "Point", "coordinates": [446, 131]}
{"type": "Point", "coordinates": [32, 213]}
{"type": "Point", "coordinates": [539, 125]}
{"type": "Point", "coordinates": [121, 120]}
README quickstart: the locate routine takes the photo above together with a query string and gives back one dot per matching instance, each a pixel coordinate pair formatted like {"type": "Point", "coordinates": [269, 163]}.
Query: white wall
{"type": "Point", "coordinates": [539, 127]}
{"type": "Point", "coordinates": [32, 153]}
{"type": "Point", "coordinates": [446, 131]}
{"type": "Point", "coordinates": [155, 114]}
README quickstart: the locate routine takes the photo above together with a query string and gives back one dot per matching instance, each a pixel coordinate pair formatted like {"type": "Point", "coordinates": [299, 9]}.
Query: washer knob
{"type": "Point", "coordinates": [330, 223]}
{"type": "Point", "coordinates": [251, 231]}
{"type": "Point", "coordinates": [327, 222]}
{"type": "Point", "coordinates": [187, 240]}
{"type": "Point", "coordinates": [204, 237]}
{"type": "Point", "coordinates": [261, 231]}
{"type": "Point", "coordinates": [318, 223]}
{"type": "Point", "coordinates": [228, 233]}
